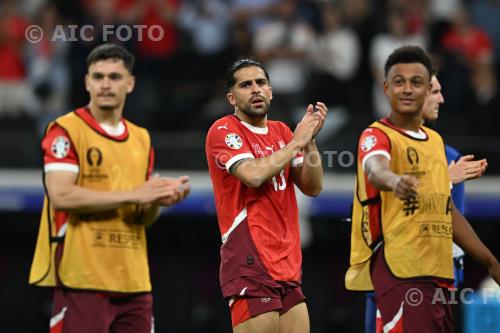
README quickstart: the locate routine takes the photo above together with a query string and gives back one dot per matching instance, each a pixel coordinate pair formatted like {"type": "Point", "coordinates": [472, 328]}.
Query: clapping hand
{"type": "Point", "coordinates": [181, 190]}
{"type": "Point", "coordinates": [466, 168]}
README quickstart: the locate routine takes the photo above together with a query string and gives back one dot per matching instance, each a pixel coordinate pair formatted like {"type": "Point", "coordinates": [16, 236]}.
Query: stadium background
{"type": "Point", "coordinates": [333, 55]}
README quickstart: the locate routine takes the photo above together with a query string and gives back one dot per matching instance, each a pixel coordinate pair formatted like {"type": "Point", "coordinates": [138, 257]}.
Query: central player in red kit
{"type": "Point", "coordinates": [254, 163]}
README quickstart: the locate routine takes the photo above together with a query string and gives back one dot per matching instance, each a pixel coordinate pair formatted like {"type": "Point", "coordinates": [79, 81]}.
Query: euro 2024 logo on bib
{"type": "Point", "coordinates": [233, 141]}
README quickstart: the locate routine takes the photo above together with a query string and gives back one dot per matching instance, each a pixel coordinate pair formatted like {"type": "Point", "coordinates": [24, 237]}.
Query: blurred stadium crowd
{"type": "Point", "coordinates": [326, 50]}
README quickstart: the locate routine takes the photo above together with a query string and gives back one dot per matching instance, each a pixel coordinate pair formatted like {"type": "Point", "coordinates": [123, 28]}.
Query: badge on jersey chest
{"type": "Point", "coordinates": [60, 147]}
{"type": "Point", "coordinates": [233, 141]}
{"type": "Point", "coordinates": [257, 150]}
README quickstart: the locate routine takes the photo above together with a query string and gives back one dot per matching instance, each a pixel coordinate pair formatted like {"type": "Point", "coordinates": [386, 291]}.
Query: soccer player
{"type": "Point", "coordinates": [254, 163]}
{"type": "Point", "coordinates": [460, 168]}
{"type": "Point", "coordinates": [404, 220]}
{"type": "Point", "coordinates": [99, 198]}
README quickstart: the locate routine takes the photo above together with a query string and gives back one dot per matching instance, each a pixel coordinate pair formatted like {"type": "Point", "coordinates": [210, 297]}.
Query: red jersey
{"type": "Point", "coordinates": [269, 212]}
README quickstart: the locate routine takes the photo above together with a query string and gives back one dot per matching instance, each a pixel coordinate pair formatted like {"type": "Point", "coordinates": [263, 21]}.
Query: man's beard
{"type": "Point", "coordinates": [249, 112]}
{"type": "Point", "coordinates": [107, 107]}
{"type": "Point", "coordinates": [111, 105]}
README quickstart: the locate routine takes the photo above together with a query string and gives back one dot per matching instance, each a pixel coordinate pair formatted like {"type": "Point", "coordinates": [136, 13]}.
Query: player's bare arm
{"type": "Point", "coordinates": [66, 195]}
{"type": "Point", "coordinates": [309, 176]}
{"type": "Point", "coordinates": [466, 168]}
{"type": "Point", "coordinates": [467, 239]}
{"type": "Point", "coordinates": [380, 175]}
{"type": "Point", "coordinates": [255, 172]}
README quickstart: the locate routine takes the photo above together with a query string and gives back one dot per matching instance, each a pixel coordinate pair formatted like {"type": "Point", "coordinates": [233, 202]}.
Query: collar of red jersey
{"type": "Point", "coordinates": [255, 129]}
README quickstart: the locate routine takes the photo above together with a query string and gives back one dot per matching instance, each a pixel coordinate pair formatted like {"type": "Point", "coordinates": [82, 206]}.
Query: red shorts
{"type": "Point", "coordinates": [83, 312]}
{"type": "Point", "coordinates": [402, 316]}
{"type": "Point", "coordinates": [409, 306]}
{"type": "Point", "coordinates": [279, 299]}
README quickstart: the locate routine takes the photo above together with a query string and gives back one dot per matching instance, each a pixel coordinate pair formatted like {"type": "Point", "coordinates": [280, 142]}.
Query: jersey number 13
{"type": "Point", "coordinates": [281, 185]}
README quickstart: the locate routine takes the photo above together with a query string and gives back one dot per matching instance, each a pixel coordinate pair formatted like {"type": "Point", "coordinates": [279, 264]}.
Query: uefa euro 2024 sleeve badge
{"type": "Point", "coordinates": [368, 143]}
{"type": "Point", "coordinates": [60, 147]}
{"type": "Point", "coordinates": [233, 141]}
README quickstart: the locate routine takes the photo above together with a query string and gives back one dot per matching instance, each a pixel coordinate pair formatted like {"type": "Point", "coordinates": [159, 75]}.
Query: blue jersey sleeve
{"type": "Point", "coordinates": [458, 191]}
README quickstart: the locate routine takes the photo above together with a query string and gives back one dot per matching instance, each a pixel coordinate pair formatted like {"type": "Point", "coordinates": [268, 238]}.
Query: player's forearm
{"type": "Point", "coordinates": [150, 213]}
{"type": "Point", "coordinates": [465, 237]}
{"type": "Point", "coordinates": [256, 172]}
{"type": "Point", "coordinates": [79, 199]}
{"type": "Point", "coordinates": [310, 177]}
{"type": "Point", "coordinates": [382, 179]}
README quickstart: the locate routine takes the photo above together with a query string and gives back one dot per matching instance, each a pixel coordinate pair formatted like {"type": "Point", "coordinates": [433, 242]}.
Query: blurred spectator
{"type": "Point", "coordinates": [207, 21]}
{"type": "Point", "coordinates": [253, 12]}
{"type": "Point", "coordinates": [240, 45]}
{"type": "Point", "coordinates": [99, 13]}
{"type": "Point", "coordinates": [335, 58]}
{"type": "Point", "coordinates": [467, 41]}
{"type": "Point", "coordinates": [359, 16]}
{"type": "Point", "coordinates": [443, 10]}
{"type": "Point", "coordinates": [282, 45]}
{"type": "Point", "coordinates": [31, 8]}
{"type": "Point", "coordinates": [157, 60]}
{"type": "Point", "coordinates": [47, 70]}
{"type": "Point", "coordinates": [162, 13]}
{"type": "Point", "coordinates": [241, 40]}
{"type": "Point", "coordinates": [383, 44]}
{"type": "Point", "coordinates": [465, 56]}
{"type": "Point", "coordinates": [488, 103]}
{"type": "Point", "coordinates": [357, 13]}
{"type": "Point", "coordinates": [416, 13]}
{"type": "Point", "coordinates": [13, 88]}
{"type": "Point", "coordinates": [148, 13]}
{"type": "Point", "coordinates": [485, 14]}
{"type": "Point", "coordinates": [335, 51]}
{"type": "Point", "coordinates": [440, 15]}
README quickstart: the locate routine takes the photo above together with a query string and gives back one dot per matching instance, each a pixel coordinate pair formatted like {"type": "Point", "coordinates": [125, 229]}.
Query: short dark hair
{"type": "Point", "coordinates": [406, 55]}
{"type": "Point", "coordinates": [239, 64]}
{"type": "Point", "coordinates": [112, 51]}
